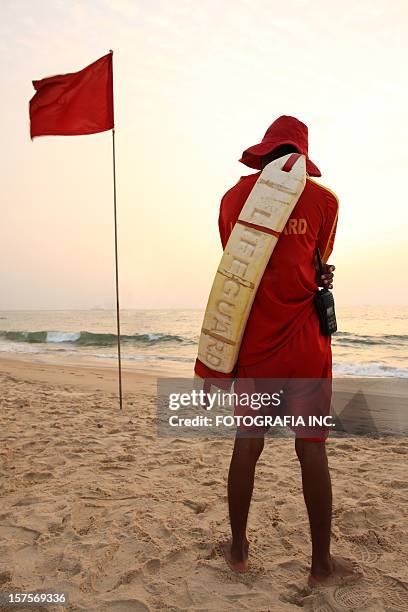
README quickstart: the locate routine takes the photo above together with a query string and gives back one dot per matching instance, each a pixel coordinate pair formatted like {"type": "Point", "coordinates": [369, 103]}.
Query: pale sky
{"type": "Point", "coordinates": [196, 82]}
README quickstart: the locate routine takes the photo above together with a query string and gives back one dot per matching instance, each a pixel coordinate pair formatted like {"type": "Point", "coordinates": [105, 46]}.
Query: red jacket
{"type": "Point", "coordinates": [284, 300]}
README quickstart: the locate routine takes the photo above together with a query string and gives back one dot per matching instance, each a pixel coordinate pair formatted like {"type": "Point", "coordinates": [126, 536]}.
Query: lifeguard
{"type": "Point", "coordinates": [282, 339]}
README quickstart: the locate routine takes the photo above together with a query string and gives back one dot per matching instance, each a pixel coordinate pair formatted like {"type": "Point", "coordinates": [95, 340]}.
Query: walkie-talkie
{"type": "Point", "coordinates": [324, 302]}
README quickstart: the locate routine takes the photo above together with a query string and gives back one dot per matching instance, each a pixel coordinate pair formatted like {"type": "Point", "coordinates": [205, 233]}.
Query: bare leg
{"type": "Point", "coordinates": [240, 486]}
{"type": "Point", "coordinates": [317, 493]}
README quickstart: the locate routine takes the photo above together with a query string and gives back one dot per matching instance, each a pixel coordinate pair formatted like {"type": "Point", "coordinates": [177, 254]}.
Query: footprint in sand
{"type": "Point", "coordinates": [344, 446]}
{"type": "Point", "coordinates": [296, 596]}
{"type": "Point", "coordinates": [125, 605]}
{"type": "Point", "coordinates": [126, 458]}
{"type": "Point", "coordinates": [37, 476]}
{"type": "Point", "coordinates": [29, 444]}
{"type": "Point", "coordinates": [398, 484]}
{"type": "Point", "coordinates": [365, 554]}
{"type": "Point", "coordinates": [212, 483]}
{"type": "Point", "coordinates": [128, 577]}
{"type": "Point", "coordinates": [69, 565]}
{"type": "Point", "coordinates": [395, 594]}
{"type": "Point", "coordinates": [152, 566]}
{"type": "Point", "coordinates": [200, 532]}
{"type": "Point", "coordinates": [5, 577]}
{"type": "Point", "coordinates": [352, 597]}
{"type": "Point", "coordinates": [399, 449]}
{"type": "Point", "coordinates": [319, 601]}
{"type": "Point", "coordinates": [198, 507]}
{"type": "Point", "coordinates": [20, 536]}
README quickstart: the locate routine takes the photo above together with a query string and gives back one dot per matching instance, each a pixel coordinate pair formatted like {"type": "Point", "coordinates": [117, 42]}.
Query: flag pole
{"type": "Point", "coordinates": [116, 260]}
{"type": "Point", "coordinates": [116, 269]}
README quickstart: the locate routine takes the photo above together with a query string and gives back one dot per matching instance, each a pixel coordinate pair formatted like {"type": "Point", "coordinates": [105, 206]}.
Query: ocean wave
{"type": "Point", "coordinates": [344, 368]}
{"type": "Point", "coordinates": [85, 338]}
{"type": "Point", "coordinates": [347, 339]}
{"type": "Point", "coordinates": [70, 351]}
{"type": "Point", "coordinates": [340, 368]}
{"type": "Point", "coordinates": [147, 357]}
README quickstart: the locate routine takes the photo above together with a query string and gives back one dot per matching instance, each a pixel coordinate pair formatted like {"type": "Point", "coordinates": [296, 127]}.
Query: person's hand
{"type": "Point", "coordinates": [328, 276]}
{"type": "Point", "coordinates": [326, 279]}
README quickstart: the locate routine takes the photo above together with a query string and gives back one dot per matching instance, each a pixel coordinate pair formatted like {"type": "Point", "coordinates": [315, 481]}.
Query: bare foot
{"type": "Point", "coordinates": [237, 560]}
{"type": "Point", "coordinates": [342, 571]}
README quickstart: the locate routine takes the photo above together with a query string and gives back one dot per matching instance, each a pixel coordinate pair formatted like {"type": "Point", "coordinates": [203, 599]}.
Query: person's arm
{"type": "Point", "coordinates": [326, 237]}
{"type": "Point", "coordinates": [225, 225]}
{"type": "Point", "coordinates": [229, 214]}
{"type": "Point", "coordinates": [222, 228]}
{"type": "Point", "coordinates": [327, 232]}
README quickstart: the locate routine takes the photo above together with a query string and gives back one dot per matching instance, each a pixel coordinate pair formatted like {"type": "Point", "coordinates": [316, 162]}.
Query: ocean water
{"type": "Point", "coordinates": [371, 341]}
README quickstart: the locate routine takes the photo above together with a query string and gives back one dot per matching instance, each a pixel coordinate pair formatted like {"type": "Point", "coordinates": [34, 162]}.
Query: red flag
{"type": "Point", "coordinates": [74, 104]}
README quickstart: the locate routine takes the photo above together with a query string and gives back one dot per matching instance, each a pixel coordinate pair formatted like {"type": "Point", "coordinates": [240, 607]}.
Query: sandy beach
{"type": "Point", "coordinates": [96, 505]}
{"type": "Point", "coordinates": [195, 186]}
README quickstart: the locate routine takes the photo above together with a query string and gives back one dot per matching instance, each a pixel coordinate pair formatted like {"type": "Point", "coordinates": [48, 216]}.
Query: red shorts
{"type": "Point", "coordinates": [302, 369]}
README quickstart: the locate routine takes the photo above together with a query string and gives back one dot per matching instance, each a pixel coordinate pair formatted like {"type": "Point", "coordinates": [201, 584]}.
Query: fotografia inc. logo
{"type": "Point", "coordinates": [263, 406]}
{"type": "Point", "coordinates": [209, 400]}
